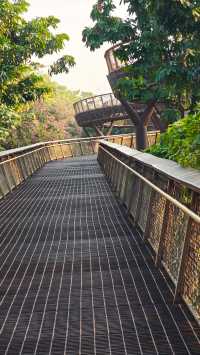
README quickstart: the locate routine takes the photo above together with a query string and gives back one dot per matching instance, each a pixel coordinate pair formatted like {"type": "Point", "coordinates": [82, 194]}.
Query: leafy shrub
{"type": "Point", "coordinates": [181, 142]}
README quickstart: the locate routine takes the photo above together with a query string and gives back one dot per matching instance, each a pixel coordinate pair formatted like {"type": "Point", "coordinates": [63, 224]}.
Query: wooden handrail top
{"type": "Point", "coordinates": [185, 209]}
{"type": "Point", "coordinates": [32, 147]}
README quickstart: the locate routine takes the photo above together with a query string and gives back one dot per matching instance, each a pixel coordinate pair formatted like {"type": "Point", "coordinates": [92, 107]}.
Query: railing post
{"type": "Point", "coordinates": [81, 148]}
{"type": "Point", "coordinates": [148, 222]}
{"type": "Point", "coordinates": [119, 180]}
{"type": "Point", "coordinates": [115, 176]}
{"type": "Point", "coordinates": [139, 201]}
{"type": "Point", "coordinates": [132, 142]}
{"type": "Point", "coordinates": [111, 97]}
{"type": "Point", "coordinates": [71, 150]}
{"type": "Point", "coordinates": [91, 143]}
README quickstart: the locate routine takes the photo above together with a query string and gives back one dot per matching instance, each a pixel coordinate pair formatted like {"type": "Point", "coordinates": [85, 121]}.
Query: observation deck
{"type": "Point", "coordinates": [98, 110]}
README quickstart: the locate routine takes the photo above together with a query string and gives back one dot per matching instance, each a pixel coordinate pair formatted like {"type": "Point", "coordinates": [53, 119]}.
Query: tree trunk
{"type": "Point", "coordinates": [141, 136]}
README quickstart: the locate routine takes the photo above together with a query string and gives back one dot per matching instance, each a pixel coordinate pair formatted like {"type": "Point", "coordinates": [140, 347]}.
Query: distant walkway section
{"type": "Point", "coordinates": [76, 279]}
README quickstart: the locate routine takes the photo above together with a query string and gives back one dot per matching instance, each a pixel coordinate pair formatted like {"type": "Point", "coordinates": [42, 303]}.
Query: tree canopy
{"type": "Point", "coordinates": [160, 42]}
{"type": "Point", "coordinates": [22, 43]}
{"type": "Point", "coordinates": [48, 118]}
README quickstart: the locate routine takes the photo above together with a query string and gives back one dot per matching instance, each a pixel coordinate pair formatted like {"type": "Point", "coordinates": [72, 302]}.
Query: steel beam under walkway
{"type": "Point", "coordinates": [75, 278]}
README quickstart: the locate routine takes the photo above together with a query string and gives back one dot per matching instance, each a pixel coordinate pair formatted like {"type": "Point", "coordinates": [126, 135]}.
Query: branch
{"type": "Point", "coordinates": [133, 114]}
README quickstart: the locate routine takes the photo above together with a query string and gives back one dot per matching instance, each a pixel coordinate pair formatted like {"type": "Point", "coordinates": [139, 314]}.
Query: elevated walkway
{"type": "Point", "coordinates": [76, 277]}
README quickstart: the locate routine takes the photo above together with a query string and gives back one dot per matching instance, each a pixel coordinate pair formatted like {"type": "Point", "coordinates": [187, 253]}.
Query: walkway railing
{"type": "Point", "coordinates": [17, 165]}
{"type": "Point", "coordinates": [170, 227]}
{"type": "Point", "coordinates": [97, 110]}
{"type": "Point", "coordinates": [96, 102]}
{"type": "Point", "coordinates": [113, 63]}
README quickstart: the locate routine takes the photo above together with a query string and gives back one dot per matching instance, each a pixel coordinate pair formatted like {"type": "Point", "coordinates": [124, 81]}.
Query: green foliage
{"type": "Point", "coordinates": [20, 42]}
{"type": "Point", "coordinates": [160, 41]}
{"type": "Point", "coordinates": [181, 142]}
{"type": "Point", "coordinates": [48, 118]}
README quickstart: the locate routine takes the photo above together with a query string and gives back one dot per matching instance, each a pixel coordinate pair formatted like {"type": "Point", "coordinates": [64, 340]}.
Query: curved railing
{"type": "Point", "coordinates": [115, 66]}
{"type": "Point", "coordinates": [16, 165]}
{"type": "Point", "coordinates": [98, 110]}
{"type": "Point", "coordinates": [96, 102]}
{"type": "Point", "coordinates": [113, 63]}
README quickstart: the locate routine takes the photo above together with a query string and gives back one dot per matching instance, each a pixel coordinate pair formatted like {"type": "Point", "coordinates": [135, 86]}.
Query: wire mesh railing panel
{"type": "Point", "coordinates": [123, 186]}
{"type": "Point", "coordinates": [127, 186]}
{"type": "Point", "coordinates": [152, 139]}
{"type": "Point", "coordinates": [15, 170]}
{"type": "Point", "coordinates": [174, 236]}
{"type": "Point", "coordinates": [157, 209]}
{"type": "Point", "coordinates": [66, 150]}
{"type": "Point", "coordinates": [58, 151]}
{"type": "Point", "coordinates": [161, 212]}
{"type": "Point", "coordinates": [127, 141]}
{"type": "Point", "coordinates": [144, 207]}
{"type": "Point", "coordinates": [145, 199]}
{"type": "Point", "coordinates": [3, 182]}
{"type": "Point", "coordinates": [76, 149]}
{"type": "Point", "coordinates": [191, 281]}
{"type": "Point", "coordinates": [52, 152]}
{"type": "Point", "coordinates": [117, 140]}
{"type": "Point", "coordinates": [134, 194]}
{"type": "Point", "coordinates": [7, 167]}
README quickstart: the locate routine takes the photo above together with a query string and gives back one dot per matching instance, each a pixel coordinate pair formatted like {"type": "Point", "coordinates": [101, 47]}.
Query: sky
{"type": "Point", "coordinates": [90, 71]}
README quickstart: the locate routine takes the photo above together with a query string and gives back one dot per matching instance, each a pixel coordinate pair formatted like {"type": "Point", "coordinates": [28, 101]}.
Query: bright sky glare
{"type": "Point", "coordinates": [90, 71]}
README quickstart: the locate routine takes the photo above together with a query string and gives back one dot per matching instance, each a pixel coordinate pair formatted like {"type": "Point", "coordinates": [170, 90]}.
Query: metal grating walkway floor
{"type": "Point", "coordinates": [75, 279]}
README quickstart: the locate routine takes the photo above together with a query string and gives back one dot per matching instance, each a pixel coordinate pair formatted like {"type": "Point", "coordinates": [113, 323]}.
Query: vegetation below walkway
{"type": "Point", "coordinates": [49, 118]}
{"type": "Point", "coordinates": [181, 142]}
